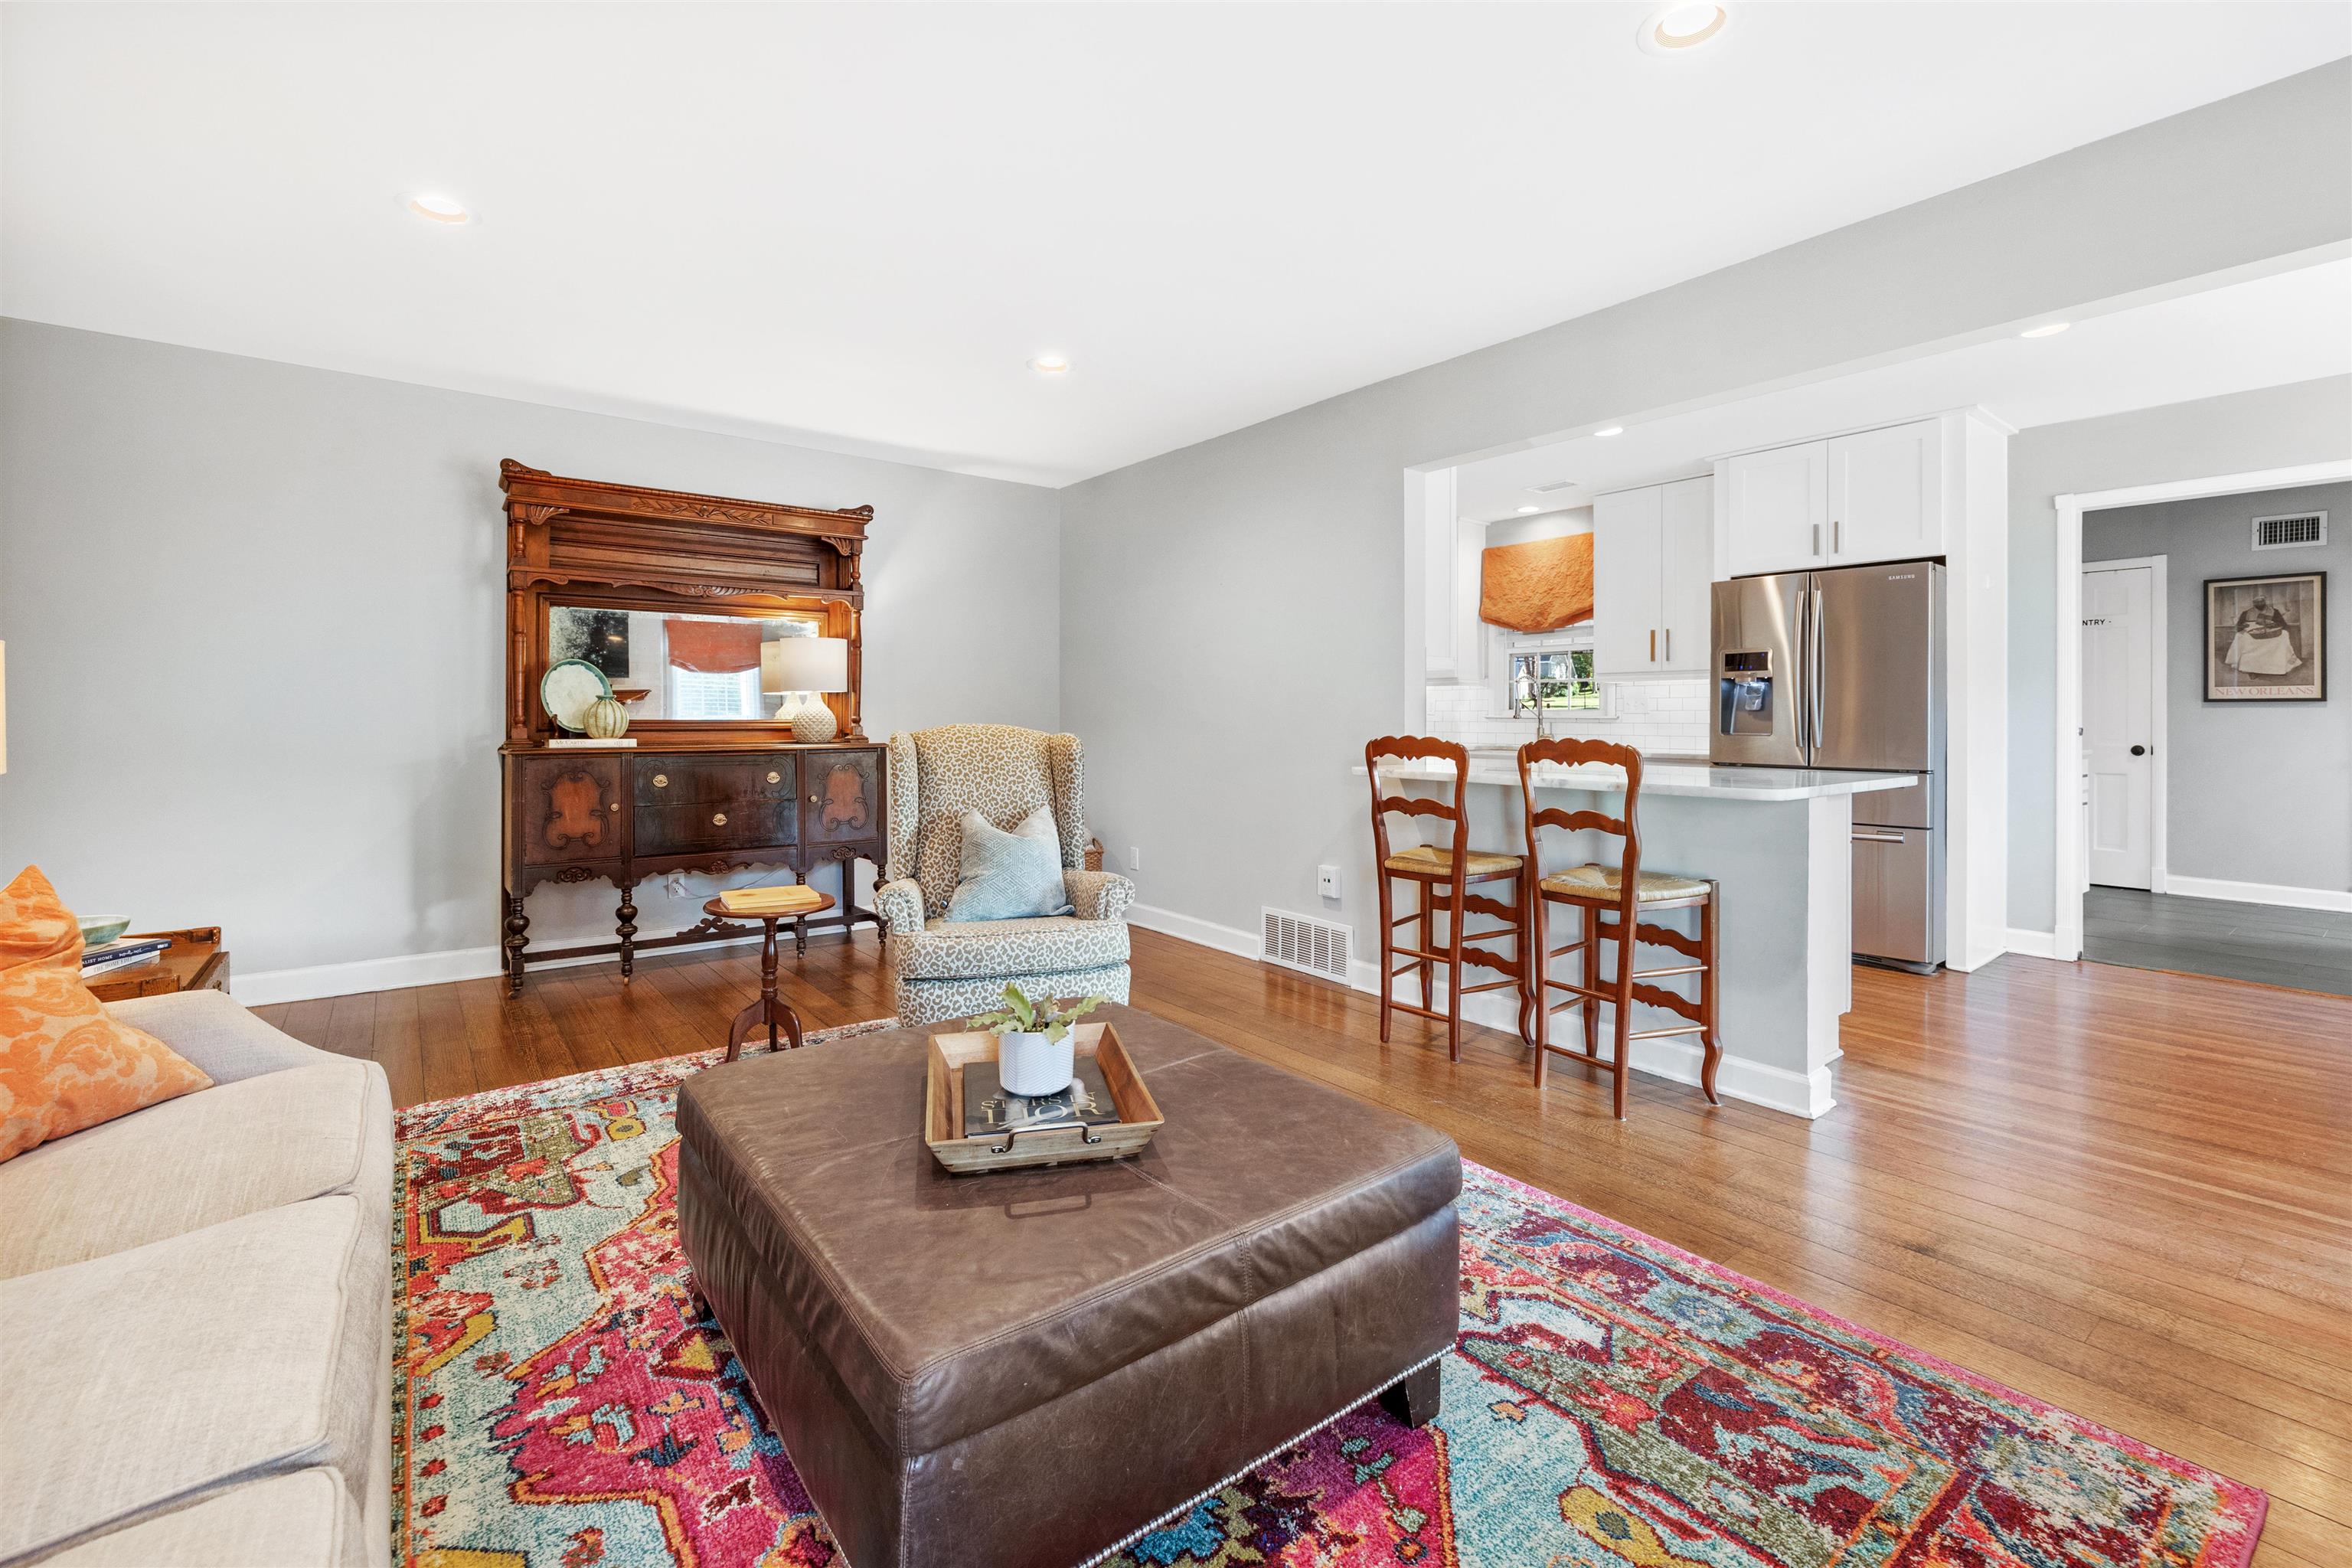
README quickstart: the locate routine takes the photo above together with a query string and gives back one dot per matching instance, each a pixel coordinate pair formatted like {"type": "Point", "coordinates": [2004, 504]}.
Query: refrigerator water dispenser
{"type": "Point", "coordinates": [1745, 704]}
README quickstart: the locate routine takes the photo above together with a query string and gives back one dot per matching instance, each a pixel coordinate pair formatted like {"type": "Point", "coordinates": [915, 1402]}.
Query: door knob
{"type": "Point", "coordinates": [2139, 751]}
{"type": "Point", "coordinates": [718, 819]}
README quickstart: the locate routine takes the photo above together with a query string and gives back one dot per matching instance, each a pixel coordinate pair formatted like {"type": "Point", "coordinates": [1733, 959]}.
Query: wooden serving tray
{"type": "Point", "coordinates": [1138, 1113]}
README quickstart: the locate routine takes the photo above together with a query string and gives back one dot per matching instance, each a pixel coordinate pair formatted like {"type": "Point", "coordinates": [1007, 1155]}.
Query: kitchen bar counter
{"type": "Point", "coordinates": [1783, 856]}
{"type": "Point", "coordinates": [1693, 779]}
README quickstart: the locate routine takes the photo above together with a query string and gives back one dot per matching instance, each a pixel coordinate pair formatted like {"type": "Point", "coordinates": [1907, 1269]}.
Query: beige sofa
{"type": "Point", "coordinates": [195, 1316]}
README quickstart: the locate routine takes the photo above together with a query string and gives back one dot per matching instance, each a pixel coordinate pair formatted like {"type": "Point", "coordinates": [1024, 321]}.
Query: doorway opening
{"type": "Point", "coordinates": [2204, 827]}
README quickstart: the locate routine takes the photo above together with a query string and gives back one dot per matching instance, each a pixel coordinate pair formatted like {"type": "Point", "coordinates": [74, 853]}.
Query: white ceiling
{"type": "Point", "coordinates": [853, 224]}
{"type": "Point", "coordinates": [2294, 326]}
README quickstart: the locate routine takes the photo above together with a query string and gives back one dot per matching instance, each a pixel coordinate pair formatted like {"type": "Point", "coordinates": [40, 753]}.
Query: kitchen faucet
{"type": "Point", "coordinates": [1534, 699]}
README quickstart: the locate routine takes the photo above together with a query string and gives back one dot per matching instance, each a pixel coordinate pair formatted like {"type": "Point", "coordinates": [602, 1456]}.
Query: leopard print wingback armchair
{"type": "Point", "coordinates": [945, 970]}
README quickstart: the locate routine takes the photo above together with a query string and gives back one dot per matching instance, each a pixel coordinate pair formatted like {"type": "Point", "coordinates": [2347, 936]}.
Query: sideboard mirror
{"type": "Point", "coordinates": [692, 667]}
{"type": "Point", "coordinates": [677, 599]}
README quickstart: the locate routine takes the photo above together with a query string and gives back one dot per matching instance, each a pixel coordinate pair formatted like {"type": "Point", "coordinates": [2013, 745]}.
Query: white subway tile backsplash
{"type": "Point", "coordinates": [1658, 717]}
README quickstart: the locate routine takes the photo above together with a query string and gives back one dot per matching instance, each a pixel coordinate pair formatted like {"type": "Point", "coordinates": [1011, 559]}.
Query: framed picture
{"type": "Point", "coordinates": [2266, 638]}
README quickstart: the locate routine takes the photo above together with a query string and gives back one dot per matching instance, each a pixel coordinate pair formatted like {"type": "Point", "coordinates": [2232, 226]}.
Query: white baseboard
{"type": "Point", "coordinates": [1202, 934]}
{"type": "Point", "coordinates": [1774, 1088]}
{"type": "Point", "coordinates": [2033, 943]}
{"type": "Point", "coordinates": [2257, 893]}
{"type": "Point", "coordinates": [271, 986]}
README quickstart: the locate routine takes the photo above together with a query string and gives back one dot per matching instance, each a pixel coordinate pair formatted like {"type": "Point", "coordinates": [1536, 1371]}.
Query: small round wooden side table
{"type": "Point", "coordinates": [769, 1012]}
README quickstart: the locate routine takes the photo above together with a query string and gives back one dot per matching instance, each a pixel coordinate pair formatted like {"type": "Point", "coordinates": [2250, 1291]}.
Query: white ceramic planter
{"type": "Point", "coordinates": [1032, 1064]}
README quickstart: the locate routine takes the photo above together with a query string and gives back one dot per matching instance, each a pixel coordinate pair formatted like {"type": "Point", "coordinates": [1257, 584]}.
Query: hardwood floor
{"type": "Point", "coordinates": [2124, 1192]}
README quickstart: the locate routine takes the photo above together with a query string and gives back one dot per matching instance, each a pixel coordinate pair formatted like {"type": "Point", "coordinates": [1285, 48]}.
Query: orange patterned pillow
{"type": "Point", "coordinates": [64, 1064]}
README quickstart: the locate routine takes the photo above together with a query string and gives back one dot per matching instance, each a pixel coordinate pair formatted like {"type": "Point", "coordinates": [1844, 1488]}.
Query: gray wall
{"type": "Point", "coordinates": [2256, 791]}
{"type": "Point", "coordinates": [2276, 427]}
{"type": "Point", "coordinates": [254, 615]}
{"type": "Point", "coordinates": [1237, 623]}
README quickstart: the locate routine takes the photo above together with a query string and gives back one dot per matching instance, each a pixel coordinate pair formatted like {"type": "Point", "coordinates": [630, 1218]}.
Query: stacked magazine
{"type": "Point", "coordinates": [126, 952]}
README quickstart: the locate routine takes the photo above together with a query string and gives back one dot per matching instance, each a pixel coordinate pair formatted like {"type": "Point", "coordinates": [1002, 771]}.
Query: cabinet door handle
{"type": "Point", "coordinates": [812, 800]}
{"type": "Point", "coordinates": [718, 819]}
{"type": "Point", "coordinates": [1837, 537]}
{"type": "Point", "coordinates": [616, 805]}
{"type": "Point", "coordinates": [1653, 645]}
{"type": "Point", "coordinates": [775, 778]}
{"type": "Point", "coordinates": [661, 780]}
{"type": "Point", "coordinates": [1670, 645]}
{"type": "Point", "coordinates": [1817, 538]}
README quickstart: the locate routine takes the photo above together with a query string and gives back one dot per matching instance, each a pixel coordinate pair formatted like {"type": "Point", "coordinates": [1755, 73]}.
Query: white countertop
{"type": "Point", "coordinates": [1697, 780]}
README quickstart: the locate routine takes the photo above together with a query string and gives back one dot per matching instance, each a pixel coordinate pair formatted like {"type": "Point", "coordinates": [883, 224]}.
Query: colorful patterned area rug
{"type": "Point", "coordinates": [566, 1400]}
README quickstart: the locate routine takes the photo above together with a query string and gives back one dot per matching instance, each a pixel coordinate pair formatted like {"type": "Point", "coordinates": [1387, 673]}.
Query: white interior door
{"type": "Point", "coordinates": [2119, 722]}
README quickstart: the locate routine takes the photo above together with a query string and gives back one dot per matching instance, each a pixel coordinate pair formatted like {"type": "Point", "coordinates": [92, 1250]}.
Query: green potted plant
{"type": "Point", "coordinates": [1034, 1051]}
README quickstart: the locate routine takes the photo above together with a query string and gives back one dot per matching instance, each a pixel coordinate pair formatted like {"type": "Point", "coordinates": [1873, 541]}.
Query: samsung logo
{"type": "Point", "coordinates": [1900, 576]}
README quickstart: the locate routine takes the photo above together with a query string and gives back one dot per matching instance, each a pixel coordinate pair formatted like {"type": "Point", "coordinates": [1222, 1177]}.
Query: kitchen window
{"type": "Point", "coordinates": [1554, 668]}
{"type": "Point", "coordinates": [1558, 683]}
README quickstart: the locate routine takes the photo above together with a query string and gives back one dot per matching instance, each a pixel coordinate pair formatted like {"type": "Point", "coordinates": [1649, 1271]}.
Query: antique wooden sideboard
{"type": "Point", "coordinates": [646, 583]}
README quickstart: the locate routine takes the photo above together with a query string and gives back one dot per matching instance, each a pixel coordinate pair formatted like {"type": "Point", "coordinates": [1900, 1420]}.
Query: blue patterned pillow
{"type": "Point", "coordinates": [1009, 876]}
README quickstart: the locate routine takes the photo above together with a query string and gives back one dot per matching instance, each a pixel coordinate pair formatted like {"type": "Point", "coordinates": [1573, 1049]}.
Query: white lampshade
{"type": "Point", "coordinates": [804, 664]}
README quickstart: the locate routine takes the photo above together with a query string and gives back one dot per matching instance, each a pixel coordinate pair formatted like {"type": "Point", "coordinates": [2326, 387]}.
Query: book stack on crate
{"type": "Point", "coordinates": [124, 952]}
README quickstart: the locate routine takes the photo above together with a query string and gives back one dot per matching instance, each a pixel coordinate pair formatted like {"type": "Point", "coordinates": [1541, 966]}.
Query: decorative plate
{"type": "Point", "coordinates": [567, 688]}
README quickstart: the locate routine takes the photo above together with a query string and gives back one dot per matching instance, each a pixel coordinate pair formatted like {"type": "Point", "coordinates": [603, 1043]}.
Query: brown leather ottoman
{"type": "Point", "coordinates": [1020, 1370]}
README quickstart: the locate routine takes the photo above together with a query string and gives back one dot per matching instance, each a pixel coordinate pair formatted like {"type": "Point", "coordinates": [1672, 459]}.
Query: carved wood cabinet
{"type": "Point", "coordinates": [707, 795]}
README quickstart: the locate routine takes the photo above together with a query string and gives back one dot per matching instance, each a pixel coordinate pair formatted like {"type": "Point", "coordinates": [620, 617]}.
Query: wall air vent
{"type": "Point", "coordinates": [2291, 530]}
{"type": "Point", "coordinates": [1317, 947]}
{"type": "Point", "coordinates": [1555, 485]}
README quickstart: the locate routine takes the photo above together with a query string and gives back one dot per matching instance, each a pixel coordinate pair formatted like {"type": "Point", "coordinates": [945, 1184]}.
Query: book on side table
{"type": "Point", "coordinates": [190, 960]}
{"type": "Point", "coordinates": [759, 901]}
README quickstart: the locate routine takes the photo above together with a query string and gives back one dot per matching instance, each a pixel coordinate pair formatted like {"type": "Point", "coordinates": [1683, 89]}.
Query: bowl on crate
{"type": "Point", "coordinates": [98, 929]}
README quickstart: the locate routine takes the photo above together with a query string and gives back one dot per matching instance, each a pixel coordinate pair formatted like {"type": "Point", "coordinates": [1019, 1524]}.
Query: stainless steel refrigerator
{"type": "Point", "coordinates": [1845, 669]}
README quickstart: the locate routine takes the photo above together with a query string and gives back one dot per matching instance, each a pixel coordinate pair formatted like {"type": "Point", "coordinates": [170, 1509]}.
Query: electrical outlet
{"type": "Point", "coordinates": [1134, 858]}
{"type": "Point", "coordinates": [1327, 880]}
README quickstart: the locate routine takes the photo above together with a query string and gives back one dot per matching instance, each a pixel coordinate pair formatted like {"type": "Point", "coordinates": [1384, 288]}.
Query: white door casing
{"type": "Point", "coordinates": [2119, 695]}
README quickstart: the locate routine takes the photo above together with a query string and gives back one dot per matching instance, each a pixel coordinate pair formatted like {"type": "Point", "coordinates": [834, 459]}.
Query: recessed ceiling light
{"type": "Point", "coordinates": [440, 208]}
{"type": "Point", "coordinates": [2047, 330]}
{"type": "Point", "coordinates": [1525, 510]}
{"type": "Point", "coordinates": [1611, 430]}
{"type": "Point", "coordinates": [1679, 25]}
{"type": "Point", "coordinates": [1049, 365]}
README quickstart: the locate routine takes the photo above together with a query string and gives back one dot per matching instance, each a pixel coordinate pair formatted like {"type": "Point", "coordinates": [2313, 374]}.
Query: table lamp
{"type": "Point", "coordinates": [807, 665]}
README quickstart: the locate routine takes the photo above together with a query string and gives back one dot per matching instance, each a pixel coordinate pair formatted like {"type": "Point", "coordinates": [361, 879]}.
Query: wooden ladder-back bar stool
{"type": "Point", "coordinates": [1630, 892]}
{"type": "Point", "coordinates": [1441, 872]}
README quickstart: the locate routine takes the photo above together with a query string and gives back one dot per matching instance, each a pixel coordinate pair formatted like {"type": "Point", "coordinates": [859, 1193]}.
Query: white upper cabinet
{"type": "Point", "coordinates": [1627, 596]}
{"type": "Point", "coordinates": [1456, 645]}
{"type": "Point", "coordinates": [1685, 576]}
{"type": "Point", "coordinates": [1885, 501]}
{"type": "Point", "coordinates": [1778, 507]}
{"type": "Point", "coordinates": [1878, 495]}
{"type": "Point", "coordinates": [1652, 558]}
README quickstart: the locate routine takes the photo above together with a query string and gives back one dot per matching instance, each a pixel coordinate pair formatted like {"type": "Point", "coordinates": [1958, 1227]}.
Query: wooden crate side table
{"type": "Point", "coordinates": [194, 961]}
